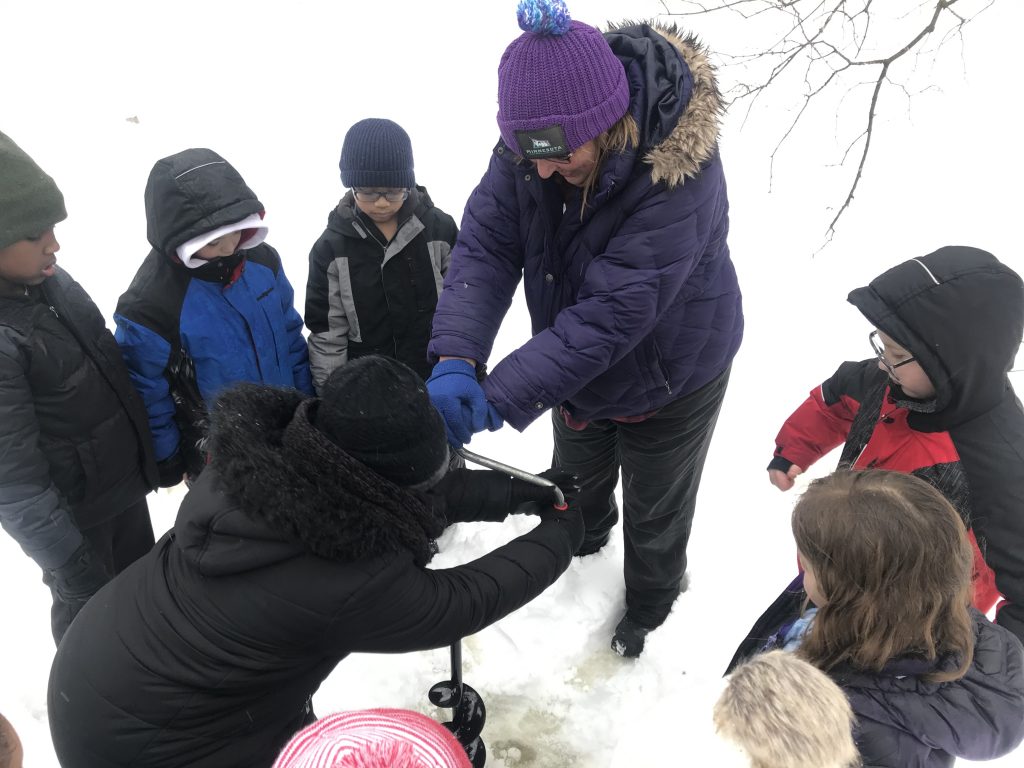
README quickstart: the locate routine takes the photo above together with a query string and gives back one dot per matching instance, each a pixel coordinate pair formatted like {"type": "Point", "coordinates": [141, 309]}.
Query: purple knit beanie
{"type": "Point", "coordinates": [559, 83]}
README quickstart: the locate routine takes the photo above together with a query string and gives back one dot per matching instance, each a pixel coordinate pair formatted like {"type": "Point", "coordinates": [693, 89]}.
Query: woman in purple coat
{"type": "Point", "coordinates": [606, 195]}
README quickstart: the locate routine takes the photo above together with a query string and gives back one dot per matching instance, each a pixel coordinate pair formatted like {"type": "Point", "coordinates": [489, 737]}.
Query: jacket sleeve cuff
{"type": "Point", "coordinates": [171, 470]}
{"type": "Point", "coordinates": [781, 463]}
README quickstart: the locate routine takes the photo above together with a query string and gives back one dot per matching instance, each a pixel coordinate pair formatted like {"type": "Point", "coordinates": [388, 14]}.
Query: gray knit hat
{"type": "Point", "coordinates": [30, 202]}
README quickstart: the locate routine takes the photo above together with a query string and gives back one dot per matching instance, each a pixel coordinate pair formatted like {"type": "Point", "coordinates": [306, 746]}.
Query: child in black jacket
{"type": "Point", "coordinates": [377, 269]}
{"type": "Point", "coordinates": [76, 457]}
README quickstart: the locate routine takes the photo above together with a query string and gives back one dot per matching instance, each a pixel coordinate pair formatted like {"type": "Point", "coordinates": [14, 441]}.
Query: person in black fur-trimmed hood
{"type": "Point", "coordinates": [305, 539]}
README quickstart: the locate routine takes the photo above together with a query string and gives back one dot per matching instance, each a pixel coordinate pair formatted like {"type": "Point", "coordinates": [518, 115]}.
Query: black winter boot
{"type": "Point", "coordinates": [592, 545]}
{"type": "Point", "coordinates": [628, 639]}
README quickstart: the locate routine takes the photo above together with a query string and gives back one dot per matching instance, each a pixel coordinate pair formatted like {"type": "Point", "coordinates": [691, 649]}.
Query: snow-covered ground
{"type": "Point", "coordinates": [98, 91]}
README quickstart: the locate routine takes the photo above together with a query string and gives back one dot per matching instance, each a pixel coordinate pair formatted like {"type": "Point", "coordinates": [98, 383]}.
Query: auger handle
{"type": "Point", "coordinates": [528, 477]}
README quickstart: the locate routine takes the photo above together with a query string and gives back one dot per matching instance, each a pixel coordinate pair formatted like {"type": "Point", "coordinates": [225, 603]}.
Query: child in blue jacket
{"type": "Point", "coordinates": [209, 307]}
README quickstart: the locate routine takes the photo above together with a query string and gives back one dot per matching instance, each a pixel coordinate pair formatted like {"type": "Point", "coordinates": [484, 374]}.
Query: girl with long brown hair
{"type": "Point", "coordinates": [884, 607]}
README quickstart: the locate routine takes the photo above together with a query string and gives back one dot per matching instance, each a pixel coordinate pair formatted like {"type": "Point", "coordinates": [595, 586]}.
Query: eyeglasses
{"type": "Point", "coordinates": [563, 160]}
{"type": "Point", "coordinates": [879, 350]}
{"type": "Point", "coordinates": [373, 195]}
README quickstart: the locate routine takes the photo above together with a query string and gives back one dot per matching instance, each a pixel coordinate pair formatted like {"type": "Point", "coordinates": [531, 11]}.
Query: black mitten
{"type": "Point", "coordinates": [79, 578]}
{"type": "Point", "coordinates": [486, 495]}
{"type": "Point", "coordinates": [171, 470]}
{"type": "Point", "coordinates": [524, 492]}
{"type": "Point", "coordinates": [571, 518]}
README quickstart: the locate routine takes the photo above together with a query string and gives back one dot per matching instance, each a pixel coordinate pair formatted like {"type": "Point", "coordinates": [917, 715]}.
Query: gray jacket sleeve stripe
{"type": "Point", "coordinates": [440, 259]}
{"type": "Point", "coordinates": [31, 510]}
{"type": "Point", "coordinates": [329, 350]}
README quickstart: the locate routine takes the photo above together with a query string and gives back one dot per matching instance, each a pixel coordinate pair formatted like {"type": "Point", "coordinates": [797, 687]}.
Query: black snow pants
{"type": "Point", "coordinates": [117, 543]}
{"type": "Point", "coordinates": [661, 459]}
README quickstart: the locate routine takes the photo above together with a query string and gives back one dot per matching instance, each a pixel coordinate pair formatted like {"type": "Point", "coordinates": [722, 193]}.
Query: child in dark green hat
{"type": "Point", "coordinates": [76, 461]}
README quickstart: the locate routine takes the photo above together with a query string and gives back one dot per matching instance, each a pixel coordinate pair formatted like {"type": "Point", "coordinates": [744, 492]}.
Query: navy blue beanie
{"type": "Point", "coordinates": [377, 153]}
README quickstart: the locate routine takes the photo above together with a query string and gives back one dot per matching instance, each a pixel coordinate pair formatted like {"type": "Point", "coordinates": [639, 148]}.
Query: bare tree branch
{"type": "Point", "coordinates": [823, 43]}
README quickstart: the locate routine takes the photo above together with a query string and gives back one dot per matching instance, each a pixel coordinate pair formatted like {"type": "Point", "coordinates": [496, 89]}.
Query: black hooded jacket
{"type": "Point", "coordinates": [286, 556]}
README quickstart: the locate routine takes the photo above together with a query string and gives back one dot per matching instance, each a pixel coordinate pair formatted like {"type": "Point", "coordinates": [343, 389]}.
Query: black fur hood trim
{"type": "Point", "coordinates": [271, 461]}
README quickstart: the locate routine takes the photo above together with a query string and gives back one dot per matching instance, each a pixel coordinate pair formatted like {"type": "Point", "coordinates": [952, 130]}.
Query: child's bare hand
{"type": "Point", "coordinates": [784, 480]}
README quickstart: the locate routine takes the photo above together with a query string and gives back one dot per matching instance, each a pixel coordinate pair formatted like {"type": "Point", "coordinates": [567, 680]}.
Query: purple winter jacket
{"type": "Point", "coordinates": [905, 722]}
{"type": "Point", "coordinates": [635, 303]}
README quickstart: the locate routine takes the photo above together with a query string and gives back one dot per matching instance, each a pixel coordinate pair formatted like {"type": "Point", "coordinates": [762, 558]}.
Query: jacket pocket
{"type": "Point", "coordinates": [66, 469]}
{"type": "Point", "coordinates": [657, 368]}
{"type": "Point", "coordinates": [109, 457]}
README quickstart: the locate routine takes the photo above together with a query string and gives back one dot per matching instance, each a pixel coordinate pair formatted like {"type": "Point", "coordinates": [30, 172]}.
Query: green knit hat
{"type": "Point", "coordinates": [30, 202]}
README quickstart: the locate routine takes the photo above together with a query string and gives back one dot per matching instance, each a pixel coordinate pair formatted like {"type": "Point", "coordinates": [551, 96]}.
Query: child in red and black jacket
{"type": "Point", "coordinates": [934, 401]}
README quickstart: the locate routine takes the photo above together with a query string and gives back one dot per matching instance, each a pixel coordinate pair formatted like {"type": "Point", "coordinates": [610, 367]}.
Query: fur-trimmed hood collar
{"type": "Point", "coordinates": [278, 488]}
{"type": "Point", "coordinates": [674, 97]}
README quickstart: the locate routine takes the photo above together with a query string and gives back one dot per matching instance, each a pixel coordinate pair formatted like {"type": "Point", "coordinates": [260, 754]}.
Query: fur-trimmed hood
{"type": "Point", "coordinates": [680, 108]}
{"type": "Point", "coordinates": [278, 488]}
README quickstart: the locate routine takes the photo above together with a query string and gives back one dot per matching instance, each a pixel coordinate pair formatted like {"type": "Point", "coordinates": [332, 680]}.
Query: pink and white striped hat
{"type": "Point", "coordinates": [374, 738]}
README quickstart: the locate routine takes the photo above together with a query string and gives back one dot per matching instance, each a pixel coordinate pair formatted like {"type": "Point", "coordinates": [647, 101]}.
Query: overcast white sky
{"type": "Point", "coordinates": [98, 91]}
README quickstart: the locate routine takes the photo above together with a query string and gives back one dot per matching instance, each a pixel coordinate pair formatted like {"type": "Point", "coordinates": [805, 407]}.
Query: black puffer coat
{"type": "Point", "coordinates": [904, 722]}
{"type": "Point", "coordinates": [287, 555]}
{"type": "Point", "coordinates": [75, 448]}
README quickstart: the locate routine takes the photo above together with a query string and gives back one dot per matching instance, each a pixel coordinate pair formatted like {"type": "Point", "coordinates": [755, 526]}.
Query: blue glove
{"type": "Point", "coordinates": [457, 394]}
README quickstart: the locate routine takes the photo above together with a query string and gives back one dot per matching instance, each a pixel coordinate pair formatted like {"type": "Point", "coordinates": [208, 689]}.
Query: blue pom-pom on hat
{"type": "Point", "coordinates": [543, 17]}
